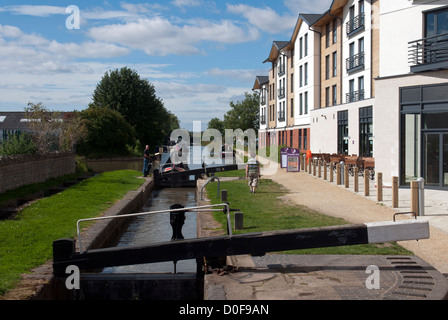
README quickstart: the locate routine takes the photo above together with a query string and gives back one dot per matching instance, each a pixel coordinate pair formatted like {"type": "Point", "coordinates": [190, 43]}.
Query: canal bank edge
{"type": "Point", "coordinates": [40, 284]}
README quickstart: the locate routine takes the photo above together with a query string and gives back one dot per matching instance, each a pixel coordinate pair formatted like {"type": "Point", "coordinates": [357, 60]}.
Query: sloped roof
{"type": "Point", "coordinates": [277, 46]}
{"type": "Point", "coordinates": [13, 121]}
{"type": "Point", "coordinates": [259, 81]}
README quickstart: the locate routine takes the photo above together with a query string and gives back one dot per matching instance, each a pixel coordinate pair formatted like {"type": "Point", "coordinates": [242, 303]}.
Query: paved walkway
{"type": "Point", "coordinates": [336, 200]}
{"type": "Point", "coordinates": [335, 277]}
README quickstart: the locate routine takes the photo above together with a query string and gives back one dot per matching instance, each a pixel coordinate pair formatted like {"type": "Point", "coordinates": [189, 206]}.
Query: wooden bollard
{"type": "Point", "coordinates": [356, 179]}
{"type": "Point", "coordinates": [319, 168]}
{"type": "Point", "coordinates": [238, 218]}
{"type": "Point", "coordinates": [338, 174]}
{"type": "Point", "coordinates": [325, 169]}
{"type": "Point", "coordinates": [309, 165]}
{"type": "Point", "coordinates": [331, 171]}
{"type": "Point", "coordinates": [366, 183]}
{"type": "Point", "coordinates": [414, 197]}
{"type": "Point", "coordinates": [394, 192]}
{"type": "Point", "coordinates": [379, 187]}
{"type": "Point", "coordinates": [346, 181]}
{"type": "Point", "coordinates": [314, 167]}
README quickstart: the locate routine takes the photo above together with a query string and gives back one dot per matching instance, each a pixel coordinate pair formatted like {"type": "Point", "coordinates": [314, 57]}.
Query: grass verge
{"type": "Point", "coordinates": [267, 211]}
{"type": "Point", "coordinates": [26, 242]}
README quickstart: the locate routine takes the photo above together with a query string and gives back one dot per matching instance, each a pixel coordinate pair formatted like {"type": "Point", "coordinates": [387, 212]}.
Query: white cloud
{"type": "Point", "coordinates": [34, 10]}
{"type": "Point", "coordinates": [186, 3]}
{"type": "Point", "coordinates": [265, 19]}
{"type": "Point", "coordinates": [158, 36]}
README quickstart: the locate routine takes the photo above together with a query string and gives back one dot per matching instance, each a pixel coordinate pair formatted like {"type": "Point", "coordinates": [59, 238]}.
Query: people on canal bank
{"type": "Point", "coordinates": [146, 161]}
{"type": "Point", "coordinates": [253, 172]}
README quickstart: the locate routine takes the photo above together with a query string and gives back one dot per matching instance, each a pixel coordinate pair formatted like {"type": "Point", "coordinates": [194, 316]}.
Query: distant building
{"type": "Point", "coordinates": [12, 123]}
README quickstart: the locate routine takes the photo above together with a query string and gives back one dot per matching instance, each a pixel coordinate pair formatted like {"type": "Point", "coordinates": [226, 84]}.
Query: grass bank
{"type": "Point", "coordinates": [267, 211]}
{"type": "Point", "coordinates": [26, 242]}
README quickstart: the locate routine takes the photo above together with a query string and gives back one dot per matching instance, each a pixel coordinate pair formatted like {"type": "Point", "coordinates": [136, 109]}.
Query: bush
{"type": "Point", "coordinates": [18, 144]}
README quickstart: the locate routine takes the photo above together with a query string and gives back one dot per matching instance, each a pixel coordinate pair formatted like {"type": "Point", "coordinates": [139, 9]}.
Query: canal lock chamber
{"type": "Point", "coordinates": [181, 280]}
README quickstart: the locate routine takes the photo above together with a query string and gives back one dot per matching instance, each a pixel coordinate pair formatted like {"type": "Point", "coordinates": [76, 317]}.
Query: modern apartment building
{"type": "Point", "coordinates": [376, 81]}
{"type": "Point", "coordinates": [411, 107]}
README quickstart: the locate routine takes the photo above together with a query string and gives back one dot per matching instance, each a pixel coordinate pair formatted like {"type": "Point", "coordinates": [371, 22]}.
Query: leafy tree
{"type": "Point", "coordinates": [52, 130]}
{"type": "Point", "coordinates": [243, 114]}
{"type": "Point", "coordinates": [135, 98]}
{"type": "Point", "coordinates": [108, 133]}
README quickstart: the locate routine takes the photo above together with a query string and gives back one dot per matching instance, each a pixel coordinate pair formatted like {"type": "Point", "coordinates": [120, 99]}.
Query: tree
{"type": "Point", "coordinates": [243, 114]}
{"type": "Point", "coordinates": [135, 99]}
{"type": "Point", "coordinates": [108, 133]}
{"type": "Point", "coordinates": [53, 130]}
{"type": "Point", "coordinates": [18, 143]}
{"type": "Point", "coordinates": [217, 124]}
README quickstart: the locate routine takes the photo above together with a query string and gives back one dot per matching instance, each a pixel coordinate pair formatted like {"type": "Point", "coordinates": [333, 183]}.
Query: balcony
{"type": "Point", "coordinates": [355, 25]}
{"type": "Point", "coordinates": [281, 115]}
{"type": "Point", "coordinates": [263, 120]}
{"type": "Point", "coordinates": [355, 63]}
{"type": "Point", "coordinates": [355, 96]}
{"type": "Point", "coordinates": [263, 101]}
{"type": "Point", "coordinates": [281, 93]}
{"type": "Point", "coordinates": [281, 70]}
{"type": "Point", "coordinates": [429, 53]}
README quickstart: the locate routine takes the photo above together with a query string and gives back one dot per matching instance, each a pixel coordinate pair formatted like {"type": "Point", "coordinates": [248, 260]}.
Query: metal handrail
{"type": "Point", "coordinates": [191, 209]}
{"type": "Point", "coordinates": [209, 180]}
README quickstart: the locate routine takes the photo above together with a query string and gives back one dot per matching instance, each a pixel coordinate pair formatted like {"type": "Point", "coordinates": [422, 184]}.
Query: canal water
{"type": "Point", "coordinates": [154, 228]}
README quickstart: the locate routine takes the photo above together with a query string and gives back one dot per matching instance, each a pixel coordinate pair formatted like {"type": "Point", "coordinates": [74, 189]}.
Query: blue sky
{"type": "Point", "coordinates": [199, 54]}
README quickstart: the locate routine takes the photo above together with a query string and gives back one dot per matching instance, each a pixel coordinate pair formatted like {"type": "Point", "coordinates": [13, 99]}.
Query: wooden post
{"type": "Point", "coordinates": [346, 181]}
{"type": "Point", "coordinates": [238, 218]}
{"type": "Point", "coordinates": [356, 179]}
{"type": "Point", "coordinates": [319, 168]}
{"type": "Point", "coordinates": [331, 171]}
{"type": "Point", "coordinates": [304, 163]}
{"type": "Point", "coordinates": [325, 169]}
{"type": "Point", "coordinates": [314, 167]}
{"type": "Point", "coordinates": [338, 174]}
{"type": "Point", "coordinates": [309, 165]}
{"type": "Point", "coordinates": [379, 187]}
{"type": "Point", "coordinates": [394, 192]}
{"type": "Point", "coordinates": [366, 182]}
{"type": "Point", "coordinates": [414, 197]}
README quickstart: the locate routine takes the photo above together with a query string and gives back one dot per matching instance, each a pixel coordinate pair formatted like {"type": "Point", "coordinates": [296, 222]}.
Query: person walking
{"type": "Point", "coordinates": [253, 172]}
{"type": "Point", "coordinates": [146, 161]}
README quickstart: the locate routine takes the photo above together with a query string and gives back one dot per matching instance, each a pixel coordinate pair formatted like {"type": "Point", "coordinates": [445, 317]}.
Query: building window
{"type": "Point", "coordinates": [292, 107]}
{"type": "Point", "coordinates": [306, 44]}
{"type": "Point", "coordinates": [300, 76]}
{"type": "Point", "coordinates": [343, 132]}
{"type": "Point", "coordinates": [327, 96]}
{"type": "Point", "coordinates": [305, 138]}
{"type": "Point", "coordinates": [327, 35]}
{"type": "Point", "coordinates": [300, 48]}
{"type": "Point", "coordinates": [335, 34]}
{"type": "Point", "coordinates": [335, 94]}
{"type": "Point", "coordinates": [366, 132]}
{"type": "Point", "coordinates": [306, 73]}
{"type": "Point", "coordinates": [327, 67]}
{"type": "Point", "coordinates": [306, 102]}
{"type": "Point", "coordinates": [335, 64]}
{"type": "Point", "coordinates": [300, 138]}
{"type": "Point", "coordinates": [292, 82]}
{"type": "Point", "coordinates": [300, 104]}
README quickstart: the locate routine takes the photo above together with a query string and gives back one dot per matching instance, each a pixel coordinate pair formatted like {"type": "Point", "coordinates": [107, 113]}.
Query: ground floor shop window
{"type": "Point", "coordinates": [424, 135]}
{"type": "Point", "coordinates": [343, 132]}
{"type": "Point", "coordinates": [366, 132]}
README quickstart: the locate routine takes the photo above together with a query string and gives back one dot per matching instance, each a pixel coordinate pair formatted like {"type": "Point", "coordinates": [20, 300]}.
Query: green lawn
{"type": "Point", "coordinates": [26, 242]}
{"type": "Point", "coordinates": [266, 211]}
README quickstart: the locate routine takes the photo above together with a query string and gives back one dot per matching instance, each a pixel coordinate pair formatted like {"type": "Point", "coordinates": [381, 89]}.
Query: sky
{"type": "Point", "coordinates": [200, 55]}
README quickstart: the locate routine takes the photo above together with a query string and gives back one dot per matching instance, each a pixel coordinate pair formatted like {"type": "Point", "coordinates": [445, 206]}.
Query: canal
{"type": "Point", "coordinates": [150, 229]}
